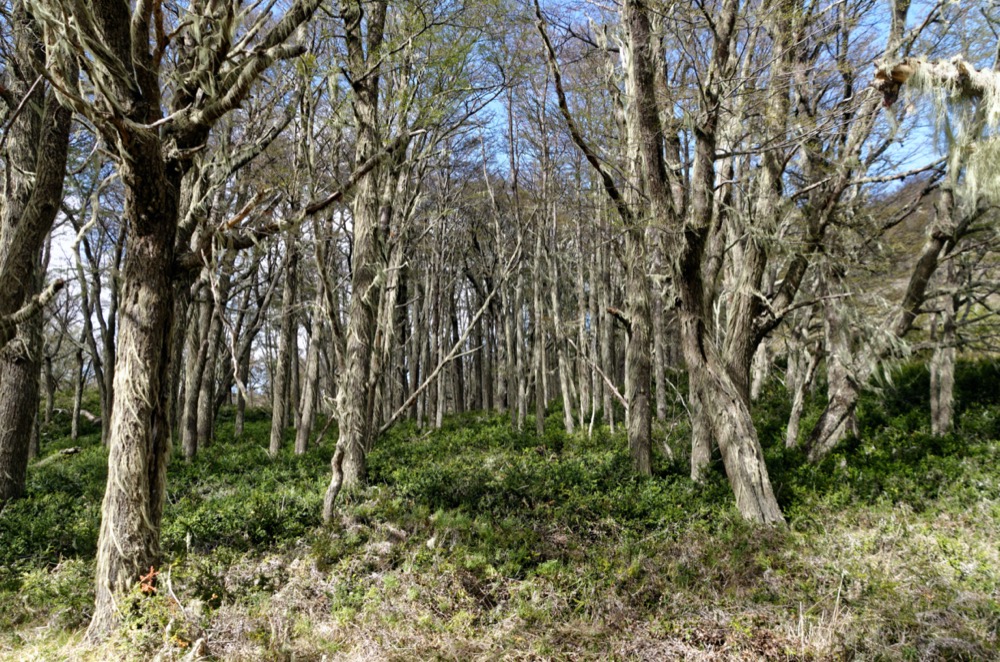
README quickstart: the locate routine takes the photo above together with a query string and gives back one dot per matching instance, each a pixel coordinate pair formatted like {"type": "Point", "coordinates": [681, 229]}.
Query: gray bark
{"type": "Point", "coordinates": [282, 372]}
{"type": "Point", "coordinates": [560, 343]}
{"type": "Point", "coordinates": [355, 425]}
{"type": "Point", "coordinates": [310, 390]}
{"type": "Point", "coordinates": [943, 360]}
{"type": "Point", "coordinates": [37, 143]}
{"type": "Point", "coordinates": [197, 348]}
{"type": "Point", "coordinates": [801, 372]}
{"type": "Point", "coordinates": [843, 386]}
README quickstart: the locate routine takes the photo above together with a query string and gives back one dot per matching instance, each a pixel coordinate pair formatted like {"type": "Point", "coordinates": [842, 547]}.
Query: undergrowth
{"type": "Point", "coordinates": [478, 541]}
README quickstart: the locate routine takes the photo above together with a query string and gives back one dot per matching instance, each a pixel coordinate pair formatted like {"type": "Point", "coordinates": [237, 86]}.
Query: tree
{"type": "Point", "coordinates": [122, 52]}
{"type": "Point", "coordinates": [391, 107]}
{"type": "Point", "coordinates": [35, 143]}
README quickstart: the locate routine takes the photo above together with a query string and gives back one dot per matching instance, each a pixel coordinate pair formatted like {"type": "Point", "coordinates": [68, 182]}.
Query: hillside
{"type": "Point", "coordinates": [476, 542]}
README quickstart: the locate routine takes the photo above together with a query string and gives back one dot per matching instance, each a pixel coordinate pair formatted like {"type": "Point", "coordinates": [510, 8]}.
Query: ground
{"type": "Point", "coordinates": [479, 542]}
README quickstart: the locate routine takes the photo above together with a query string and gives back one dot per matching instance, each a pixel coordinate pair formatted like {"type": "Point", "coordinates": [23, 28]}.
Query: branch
{"type": "Point", "coordinates": [400, 142]}
{"type": "Point", "coordinates": [574, 130]}
{"type": "Point", "coordinates": [453, 354]}
{"type": "Point", "coordinates": [8, 324]}
{"type": "Point", "coordinates": [614, 389]}
{"type": "Point", "coordinates": [956, 75]}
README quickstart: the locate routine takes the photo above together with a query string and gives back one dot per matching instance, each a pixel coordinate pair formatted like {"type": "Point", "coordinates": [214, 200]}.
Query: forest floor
{"type": "Point", "coordinates": [475, 542]}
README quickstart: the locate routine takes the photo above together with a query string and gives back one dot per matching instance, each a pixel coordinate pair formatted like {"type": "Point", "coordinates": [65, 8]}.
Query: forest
{"type": "Point", "coordinates": [499, 329]}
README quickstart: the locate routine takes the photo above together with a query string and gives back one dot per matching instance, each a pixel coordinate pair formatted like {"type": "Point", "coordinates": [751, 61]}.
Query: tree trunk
{"type": "Point", "coordinates": [310, 390]}
{"type": "Point", "coordinates": [538, 338]}
{"type": "Point", "coordinates": [197, 347]}
{"type": "Point", "coordinates": [799, 380]}
{"type": "Point", "coordinates": [415, 345]}
{"type": "Point", "coordinates": [659, 355]}
{"type": "Point", "coordinates": [366, 261]}
{"type": "Point", "coordinates": [560, 343]}
{"type": "Point", "coordinates": [206, 395]}
{"type": "Point", "coordinates": [19, 367]}
{"type": "Point", "coordinates": [129, 541]}
{"type": "Point", "coordinates": [504, 371]}
{"type": "Point", "coordinates": [839, 418]}
{"type": "Point", "coordinates": [943, 360]}
{"type": "Point", "coordinates": [489, 354]}
{"type": "Point", "coordinates": [37, 144]}
{"type": "Point", "coordinates": [478, 386]}
{"type": "Point", "coordinates": [522, 350]}
{"type": "Point", "coordinates": [582, 371]}
{"type": "Point", "coordinates": [243, 372]}
{"type": "Point", "coordinates": [637, 353]}
{"type": "Point", "coordinates": [78, 384]}
{"type": "Point", "coordinates": [701, 433]}
{"type": "Point", "coordinates": [607, 337]}
{"type": "Point", "coordinates": [282, 371]}
{"type": "Point", "coordinates": [458, 381]}
{"type": "Point", "coordinates": [440, 329]}
{"type": "Point", "coordinates": [731, 425]}
{"type": "Point", "coordinates": [50, 389]}
{"type": "Point", "coordinates": [424, 332]}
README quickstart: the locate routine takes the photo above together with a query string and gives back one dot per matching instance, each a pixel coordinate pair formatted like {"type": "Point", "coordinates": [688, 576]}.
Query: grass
{"type": "Point", "coordinates": [479, 542]}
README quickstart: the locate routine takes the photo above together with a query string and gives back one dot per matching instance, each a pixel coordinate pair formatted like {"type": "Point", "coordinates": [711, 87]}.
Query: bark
{"type": "Point", "coordinates": [197, 348]}
{"type": "Point", "coordinates": [478, 358]}
{"type": "Point", "coordinates": [843, 386]}
{"type": "Point", "coordinates": [800, 381]}
{"type": "Point", "coordinates": [402, 386]}
{"type": "Point", "coordinates": [19, 365]}
{"type": "Point", "coordinates": [415, 346]}
{"type": "Point", "coordinates": [489, 343]}
{"type": "Point", "coordinates": [596, 390]}
{"type": "Point", "coordinates": [355, 425]}
{"type": "Point", "coordinates": [943, 361]}
{"type": "Point", "coordinates": [521, 349]}
{"type": "Point", "coordinates": [584, 345]}
{"type": "Point", "coordinates": [310, 391]}
{"type": "Point", "coordinates": [505, 364]}
{"type": "Point", "coordinates": [560, 343]}
{"type": "Point", "coordinates": [538, 338]}
{"type": "Point", "coordinates": [760, 371]}
{"type": "Point", "coordinates": [243, 373]}
{"type": "Point", "coordinates": [50, 388]}
{"type": "Point", "coordinates": [207, 385]}
{"type": "Point", "coordinates": [282, 372]}
{"type": "Point", "coordinates": [701, 433]}
{"type": "Point", "coordinates": [35, 445]}
{"type": "Point", "coordinates": [424, 334]}
{"type": "Point", "coordinates": [294, 392]}
{"type": "Point", "coordinates": [659, 355]}
{"type": "Point", "coordinates": [731, 425]}
{"type": "Point", "coordinates": [440, 329]}
{"type": "Point", "coordinates": [607, 334]}
{"type": "Point", "coordinates": [152, 165]}
{"type": "Point", "coordinates": [78, 384]}
{"type": "Point", "coordinates": [458, 380]}
{"type": "Point", "coordinates": [637, 354]}
{"type": "Point", "coordinates": [129, 542]}
{"type": "Point", "coordinates": [726, 400]}
{"type": "Point", "coordinates": [37, 144]}
{"type": "Point", "coordinates": [943, 234]}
